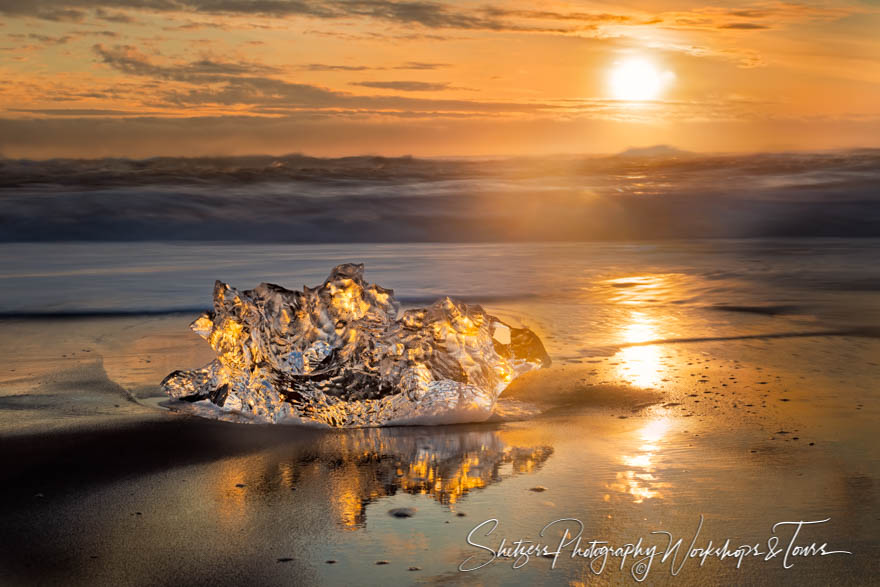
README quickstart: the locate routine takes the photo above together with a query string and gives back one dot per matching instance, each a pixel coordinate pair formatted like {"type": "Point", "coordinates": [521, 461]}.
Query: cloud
{"type": "Point", "coordinates": [128, 59]}
{"type": "Point", "coordinates": [216, 82]}
{"type": "Point", "coordinates": [76, 112]}
{"type": "Point", "coordinates": [38, 41]}
{"type": "Point", "coordinates": [409, 65]}
{"type": "Point", "coordinates": [326, 67]}
{"type": "Point", "coordinates": [773, 15]}
{"type": "Point", "coordinates": [107, 34]}
{"type": "Point", "coordinates": [263, 92]}
{"type": "Point", "coordinates": [421, 65]}
{"type": "Point", "coordinates": [222, 83]}
{"type": "Point", "coordinates": [63, 15]}
{"type": "Point", "coordinates": [237, 84]}
{"type": "Point", "coordinates": [111, 16]}
{"type": "Point", "coordinates": [549, 15]}
{"type": "Point", "coordinates": [744, 26]}
{"type": "Point", "coordinates": [405, 86]}
{"type": "Point", "coordinates": [42, 39]}
{"type": "Point", "coordinates": [433, 15]}
{"type": "Point", "coordinates": [743, 57]}
{"type": "Point", "coordinates": [429, 15]}
{"type": "Point", "coordinates": [383, 36]}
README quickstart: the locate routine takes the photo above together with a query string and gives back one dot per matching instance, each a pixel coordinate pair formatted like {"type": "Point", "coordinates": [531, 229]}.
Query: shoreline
{"type": "Point", "coordinates": [632, 430]}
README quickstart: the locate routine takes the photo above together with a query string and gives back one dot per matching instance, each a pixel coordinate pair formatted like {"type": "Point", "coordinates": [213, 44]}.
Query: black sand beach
{"type": "Point", "coordinates": [101, 486]}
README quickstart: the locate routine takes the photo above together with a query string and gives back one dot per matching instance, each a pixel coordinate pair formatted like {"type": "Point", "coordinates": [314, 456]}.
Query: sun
{"type": "Point", "coordinates": [635, 80]}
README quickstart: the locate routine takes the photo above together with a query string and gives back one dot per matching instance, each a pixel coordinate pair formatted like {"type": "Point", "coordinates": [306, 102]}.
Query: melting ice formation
{"type": "Point", "coordinates": [344, 354]}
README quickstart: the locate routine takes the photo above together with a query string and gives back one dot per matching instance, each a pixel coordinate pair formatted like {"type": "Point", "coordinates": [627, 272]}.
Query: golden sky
{"type": "Point", "coordinates": [335, 77]}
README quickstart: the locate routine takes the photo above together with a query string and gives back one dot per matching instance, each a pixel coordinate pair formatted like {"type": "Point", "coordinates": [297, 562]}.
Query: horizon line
{"type": "Point", "coordinates": [672, 153]}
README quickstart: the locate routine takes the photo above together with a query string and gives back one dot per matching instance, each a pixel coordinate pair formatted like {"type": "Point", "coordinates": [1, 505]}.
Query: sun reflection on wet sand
{"type": "Point", "coordinates": [639, 480]}
{"type": "Point", "coordinates": [641, 366]}
{"type": "Point", "coordinates": [639, 290]}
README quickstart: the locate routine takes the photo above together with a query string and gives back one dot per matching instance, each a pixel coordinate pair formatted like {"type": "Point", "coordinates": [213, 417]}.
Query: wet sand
{"type": "Point", "coordinates": [100, 486]}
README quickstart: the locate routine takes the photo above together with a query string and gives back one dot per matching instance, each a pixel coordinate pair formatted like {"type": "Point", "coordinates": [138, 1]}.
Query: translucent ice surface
{"type": "Point", "coordinates": [344, 354]}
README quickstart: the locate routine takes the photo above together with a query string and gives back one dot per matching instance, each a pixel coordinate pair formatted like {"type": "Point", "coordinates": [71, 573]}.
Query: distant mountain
{"type": "Point", "coordinates": [655, 151]}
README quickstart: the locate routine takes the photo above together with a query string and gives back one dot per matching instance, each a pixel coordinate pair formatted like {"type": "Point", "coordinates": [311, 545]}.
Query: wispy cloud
{"type": "Point", "coordinates": [113, 16]}
{"type": "Point", "coordinates": [426, 14]}
{"type": "Point", "coordinates": [409, 65]}
{"type": "Point", "coordinates": [758, 16]}
{"type": "Point", "coordinates": [77, 112]}
{"type": "Point", "coordinates": [328, 67]}
{"type": "Point", "coordinates": [214, 82]}
{"type": "Point", "coordinates": [405, 86]}
{"type": "Point", "coordinates": [435, 15]}
{"type": "Point", "coordinates": [744, 26]}
{"type": "Point", "coordinates": [41, 39]}
{"type": "Point", "coordinates": [128, 59]}
{"type": "Point", "coordinates": [421, 65]}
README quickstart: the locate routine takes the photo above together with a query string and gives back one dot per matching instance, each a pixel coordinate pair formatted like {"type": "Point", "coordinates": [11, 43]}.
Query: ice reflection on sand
{"type": "Point", "coordinates": [366, 465]}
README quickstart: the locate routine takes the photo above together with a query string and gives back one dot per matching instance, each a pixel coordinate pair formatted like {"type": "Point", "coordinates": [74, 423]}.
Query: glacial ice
{"type": "Point", "coordinates": [344, 354]}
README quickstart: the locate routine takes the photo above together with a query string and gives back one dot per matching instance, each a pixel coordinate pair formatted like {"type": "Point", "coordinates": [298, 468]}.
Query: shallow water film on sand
{"type": "Point", "coordinates": [730, 379]}
{"type": "Point", "coordinates": [342, 354]}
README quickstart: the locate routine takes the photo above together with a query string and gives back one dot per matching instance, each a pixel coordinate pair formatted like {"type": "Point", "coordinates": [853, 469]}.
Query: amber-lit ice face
{"type": "Point", "coordinates": [341, 355]}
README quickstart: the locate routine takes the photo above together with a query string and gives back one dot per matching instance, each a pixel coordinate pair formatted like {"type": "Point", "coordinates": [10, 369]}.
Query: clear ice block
{"type": "Point", "coordinates": [344, 354]}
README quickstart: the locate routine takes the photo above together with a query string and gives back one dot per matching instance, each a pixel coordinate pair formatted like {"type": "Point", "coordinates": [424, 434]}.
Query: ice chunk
{"type": "Point", "coordinates": [344, 354]}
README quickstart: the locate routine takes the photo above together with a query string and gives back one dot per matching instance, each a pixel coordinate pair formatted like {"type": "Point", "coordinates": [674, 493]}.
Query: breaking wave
{"type": "Point", "coordinates": [373, 199]}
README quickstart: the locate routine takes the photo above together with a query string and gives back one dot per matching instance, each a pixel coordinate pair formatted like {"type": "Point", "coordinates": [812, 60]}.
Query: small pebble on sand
{"type": "Point", "coordinates": [402, 512]}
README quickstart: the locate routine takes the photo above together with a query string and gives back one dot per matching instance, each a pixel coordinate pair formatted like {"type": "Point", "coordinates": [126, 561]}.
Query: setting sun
{"type": "Point", "coordinates": [636, 80]}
